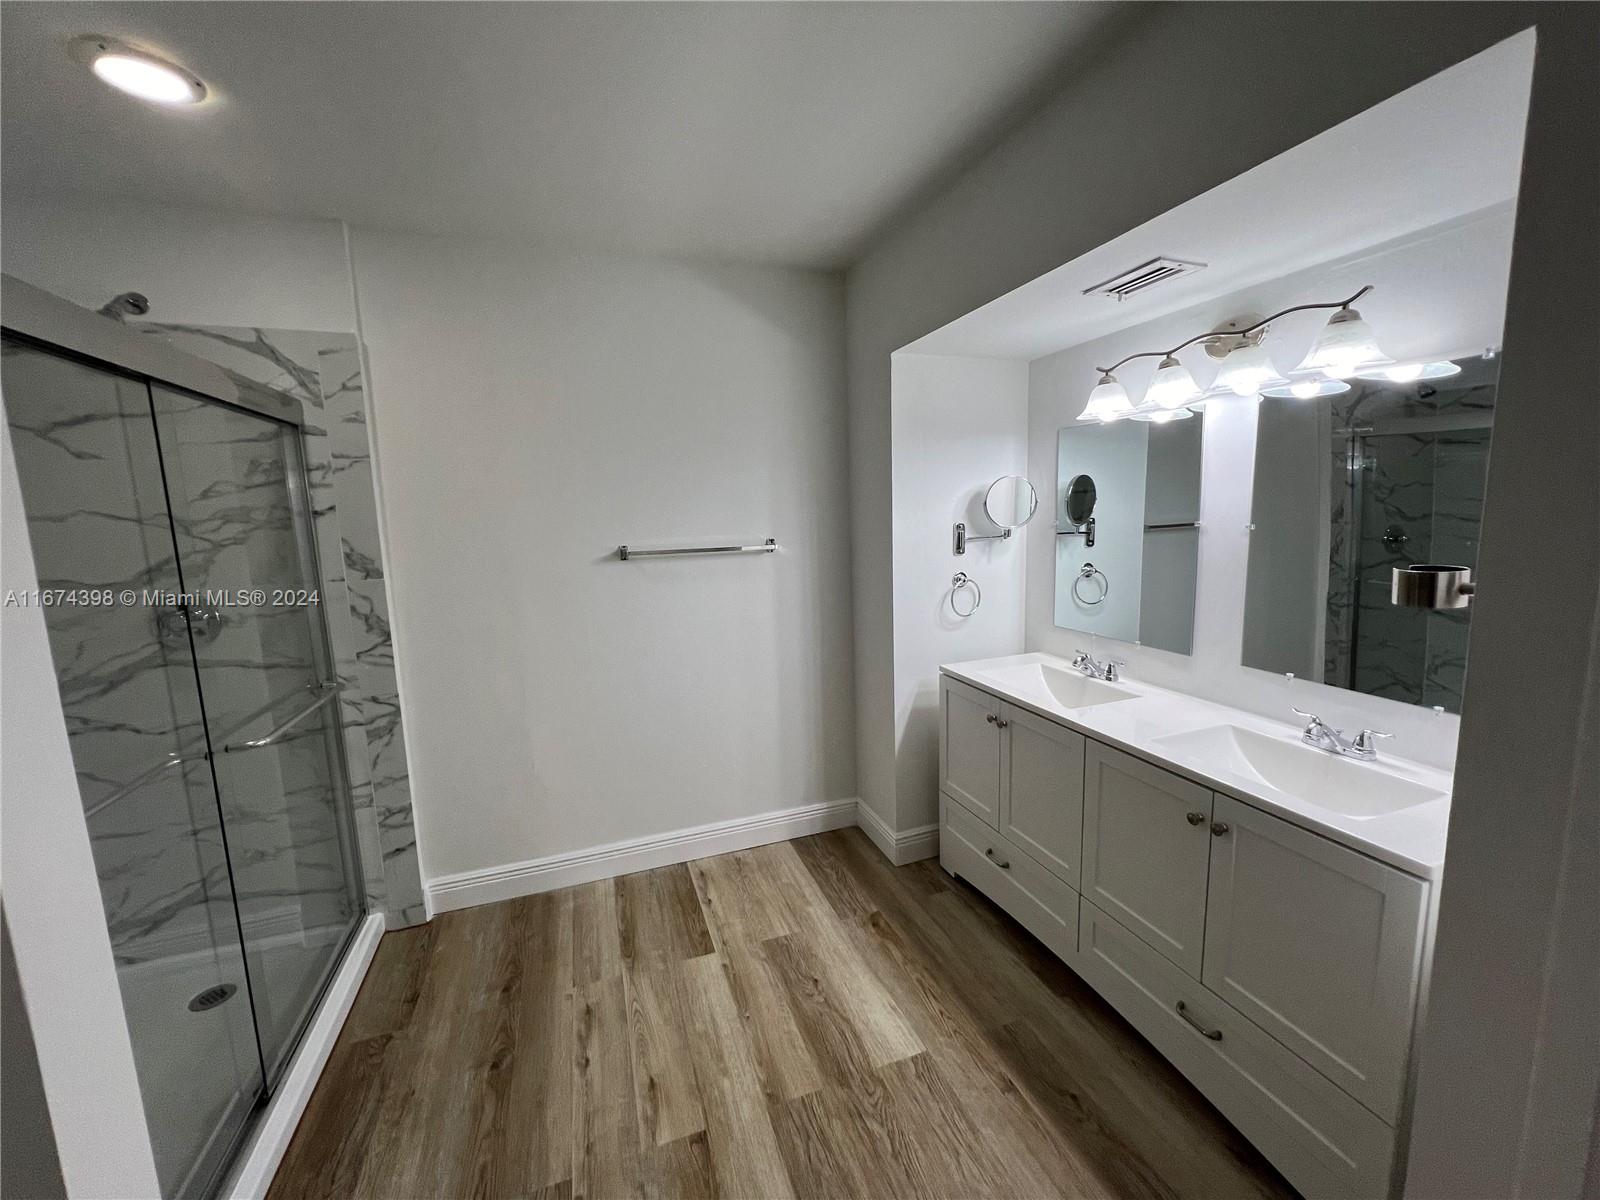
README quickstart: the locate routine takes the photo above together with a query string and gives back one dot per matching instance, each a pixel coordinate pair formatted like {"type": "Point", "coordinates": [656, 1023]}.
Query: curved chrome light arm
{"type": "Point", "coordinates": [1222, 333]}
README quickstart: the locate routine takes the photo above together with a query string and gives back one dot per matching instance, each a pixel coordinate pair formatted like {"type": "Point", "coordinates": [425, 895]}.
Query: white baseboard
{"type": "Point", "coordinates": [471, 888]}
{"type": "Point", "coordinates": [906, 846]}
{"type": "Point", "coordinates": [252, 1176]}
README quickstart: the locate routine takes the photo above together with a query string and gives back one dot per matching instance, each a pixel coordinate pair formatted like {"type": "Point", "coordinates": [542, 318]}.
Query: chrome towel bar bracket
{"type": "Point", "coordinates": [769, 546]}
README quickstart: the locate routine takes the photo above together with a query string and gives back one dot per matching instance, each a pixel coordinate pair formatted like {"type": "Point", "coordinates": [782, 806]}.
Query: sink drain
{"type": "Point", "coordinates": [212, 997]}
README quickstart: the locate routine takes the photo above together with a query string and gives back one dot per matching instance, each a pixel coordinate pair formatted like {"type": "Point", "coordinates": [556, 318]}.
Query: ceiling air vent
{"type": "Point", "coordinates": [1143, 277]}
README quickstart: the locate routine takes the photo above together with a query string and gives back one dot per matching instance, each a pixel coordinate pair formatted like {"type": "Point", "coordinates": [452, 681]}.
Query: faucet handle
{"type": "Point", "coordinates": [1365, 738]}
{"type": "Point", "coordinates": [1311, 717]}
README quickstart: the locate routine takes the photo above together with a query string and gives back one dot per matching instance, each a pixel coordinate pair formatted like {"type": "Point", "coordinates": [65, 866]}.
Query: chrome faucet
{"type": "Point", "coordinates": [1094, 670]}
{"type": "Point", "coordinates": [1323, 736]}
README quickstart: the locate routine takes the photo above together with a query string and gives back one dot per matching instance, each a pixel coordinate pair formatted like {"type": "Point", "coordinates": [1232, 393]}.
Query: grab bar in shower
{"type": "Point", "coordinates": [767, 547]}
{"type": "Point", "coordinates": [327, 691]}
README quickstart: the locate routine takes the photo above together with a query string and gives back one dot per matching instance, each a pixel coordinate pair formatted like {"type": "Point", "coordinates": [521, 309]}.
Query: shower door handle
{"type": "Point", "coordinates": [276, 735]}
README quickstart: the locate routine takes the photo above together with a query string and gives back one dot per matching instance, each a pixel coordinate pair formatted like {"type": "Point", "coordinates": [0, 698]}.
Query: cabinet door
{"type": "Point", "coordinates": [1041, 790]}
{"type": "Point", "coordinates": [1319, 945]}
{"type": "Point", "coordinates": [1146, 838]}
{"type": "Point", "coordinates": [969, 749]}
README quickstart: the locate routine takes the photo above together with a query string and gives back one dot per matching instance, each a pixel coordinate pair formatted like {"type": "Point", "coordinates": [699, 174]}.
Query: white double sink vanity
{"type": "Point", "coordinates": [1260, 910]}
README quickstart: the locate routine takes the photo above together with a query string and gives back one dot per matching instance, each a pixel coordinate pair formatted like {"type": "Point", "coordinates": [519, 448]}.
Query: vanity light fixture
{"type": "Point", "coordinates": [1412, 372]}
{"type": "Point", "coordinates": [1247, 370]}
{"type": "Point", "coordinates": [1172, 387]}
{"type": "Point", "coordinates": [137, 72]}
{"type": "Point", "coordinates": [1346, 344]}
{"type": "Point", "coordinates": [1161, 416]}
{"type": "Point", "coordinates": [1307, 388]}
{"type": "Point", "coordinates": [1108, 402]}
{"type": "Point", "coordinates": [1246, 367]}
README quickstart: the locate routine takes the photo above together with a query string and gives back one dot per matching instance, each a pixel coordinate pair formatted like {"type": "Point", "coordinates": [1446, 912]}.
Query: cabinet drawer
{"type": "Point", "coordinates": [1324, 1142]}
{"type": "Point", "coordinates": [1044, 905]}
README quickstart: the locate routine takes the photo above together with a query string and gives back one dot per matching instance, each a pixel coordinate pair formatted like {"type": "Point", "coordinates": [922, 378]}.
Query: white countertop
{"type": "Point", "coordinates": [1412, 839]}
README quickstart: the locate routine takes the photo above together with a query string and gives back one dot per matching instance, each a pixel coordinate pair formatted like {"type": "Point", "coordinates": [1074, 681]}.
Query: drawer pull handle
{"type": "Point", "coordinates": [1218, 828]}
{"type": "Point", "coordinates": [991, 718]}
{"type": "Point", "coordinates": [1195, 818]}
{"type": "Point", "coordinates": [1004, 866]}
{"type": "Point", "coordinates": [1214, 1035]}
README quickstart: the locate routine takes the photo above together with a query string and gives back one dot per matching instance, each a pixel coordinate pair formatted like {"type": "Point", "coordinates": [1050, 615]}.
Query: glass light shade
{"type": "Point", "coordinates": [1345, 346]}
{"type": "Point", "coordinates": [1162, 416]}
{"type": "Point", "coordinates": [1411, 372]}
{"type": "Point", "coordinates": [1308, 389]}
{"type": "Point", "coordinates": [147, 78]}
{"type": "Point", "coordinates": [1108, 402]}
{"type": "Point", "coordinates": [1172, 387]}
{"type": "Point", "coordinates": [1247, 370]}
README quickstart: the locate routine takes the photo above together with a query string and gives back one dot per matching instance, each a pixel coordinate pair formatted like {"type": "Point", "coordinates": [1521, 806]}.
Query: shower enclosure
{"type": "Point", "coordinates": [167, 507]}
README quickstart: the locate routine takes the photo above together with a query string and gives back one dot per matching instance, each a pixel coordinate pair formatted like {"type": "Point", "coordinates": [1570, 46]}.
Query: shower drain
{"type": "Point", "coordinates": [212, 997]}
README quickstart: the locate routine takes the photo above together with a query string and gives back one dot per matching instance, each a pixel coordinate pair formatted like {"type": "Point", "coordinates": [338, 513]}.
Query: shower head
{"type": "Point", "coordinates": [128, 304]}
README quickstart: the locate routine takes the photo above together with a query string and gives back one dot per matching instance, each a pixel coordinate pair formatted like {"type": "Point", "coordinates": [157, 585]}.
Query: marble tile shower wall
{"type": "Point", "coordinates": [323, 371]}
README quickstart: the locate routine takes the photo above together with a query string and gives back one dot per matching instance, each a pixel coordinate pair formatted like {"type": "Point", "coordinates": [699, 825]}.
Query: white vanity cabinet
{"type": "Point", "coordinates": [1319, 945]}
{"type": "Point", "coordinates": [1276, 967]}
{"type": "Point", "coordinates": [1146, 836]}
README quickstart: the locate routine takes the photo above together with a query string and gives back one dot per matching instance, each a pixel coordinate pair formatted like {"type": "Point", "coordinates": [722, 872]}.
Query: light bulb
{"type": "Point", "coordinates": [1108, 402]}
{"type": "Point", "coordinates": [1172, 385]}
{"type": "Point", "coordinates": [1163, 416]}
{"type": "Point", "coordinates": [1345, 345]}
{"type": "Point", "coordinates": [1307, 388]}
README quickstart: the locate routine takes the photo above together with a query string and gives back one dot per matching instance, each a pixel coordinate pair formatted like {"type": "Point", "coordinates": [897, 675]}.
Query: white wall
{"type": "Point", "coordinates": [197, 266]}
{"type": "Point", "coordinates": [1438, 294]}
{"type": "Point", "coordinates": [1072, 178]}
{"type": "Point", "coordinates": [534, 411]}
{"type": "Point", "coordinates": [959, 424]}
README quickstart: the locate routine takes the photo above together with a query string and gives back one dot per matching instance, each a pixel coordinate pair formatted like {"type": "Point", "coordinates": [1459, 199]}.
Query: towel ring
{"type": "Point", "coordinates": [1090, 571]}
{"type": "Point", "coordinates": [960, 581]}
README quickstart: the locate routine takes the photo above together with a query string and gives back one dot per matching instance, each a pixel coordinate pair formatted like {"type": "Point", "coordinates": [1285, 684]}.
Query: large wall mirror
{"type": "Point", "coordinates": [1347, 488]}
{"type": "Point", "coordinates": [1128, 530]}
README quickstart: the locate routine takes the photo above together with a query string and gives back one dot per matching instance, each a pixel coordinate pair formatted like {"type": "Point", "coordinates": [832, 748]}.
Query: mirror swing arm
{"type": "Point", "coordinates": [1085, 531]}
{"type": "Point", "coordinates": [960, 537]}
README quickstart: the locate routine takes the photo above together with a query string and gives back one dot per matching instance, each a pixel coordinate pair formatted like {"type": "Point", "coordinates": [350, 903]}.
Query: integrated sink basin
{"type": "Point", "coordinates": [1353, 789]}
{"type": "Point", "coordinates": [1069, 689]}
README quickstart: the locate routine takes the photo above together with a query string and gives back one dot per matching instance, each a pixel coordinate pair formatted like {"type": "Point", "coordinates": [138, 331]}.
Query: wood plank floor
{"type": "Point", "coordinates": [802, 1019]}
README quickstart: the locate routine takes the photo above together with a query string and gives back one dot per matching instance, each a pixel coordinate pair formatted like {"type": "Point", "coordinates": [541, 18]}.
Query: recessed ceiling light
{"type": "Point", "coordinates": [138, 73]}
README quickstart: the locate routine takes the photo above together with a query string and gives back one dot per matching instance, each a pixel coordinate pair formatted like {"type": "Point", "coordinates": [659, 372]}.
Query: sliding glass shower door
{"type": "Point", "coordinates": [174, 548]}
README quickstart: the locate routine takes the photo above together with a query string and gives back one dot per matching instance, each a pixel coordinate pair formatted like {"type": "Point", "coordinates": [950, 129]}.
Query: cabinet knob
{"type": "Point", "coordinates": [991, 718]}
{"type": "Point", "coordinates": [1004, 866]}
{"type": "Point", "coordinates": [1195, 818]}
{"type": "Point", "coordinates": [1218, 828]}
{"type": "Point", "coordinates": [1002, 723]}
